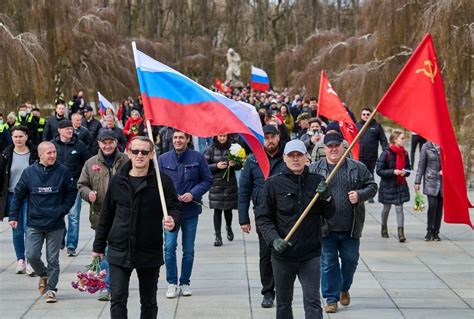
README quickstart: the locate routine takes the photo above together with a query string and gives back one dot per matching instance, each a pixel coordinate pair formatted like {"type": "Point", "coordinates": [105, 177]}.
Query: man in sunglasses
{"type": "Point", "coordinates": [369, 141]}
{"type": "Point", "coordinates": [192, 179]}
{"type": "Point", "coordinates": [131, 225]}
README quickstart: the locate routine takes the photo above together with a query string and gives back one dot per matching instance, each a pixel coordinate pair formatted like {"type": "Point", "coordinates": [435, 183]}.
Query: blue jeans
{"type": "Point", "coordinates": [73, 218]}
{"type": "Point", "coordinates": [19, 233]}
{"type": "Point", "coordinates": [188, 229]}
{"type": "Point", "coordinates": [104, 264]}
{"type": "Point", "coordinates": [336, 277]}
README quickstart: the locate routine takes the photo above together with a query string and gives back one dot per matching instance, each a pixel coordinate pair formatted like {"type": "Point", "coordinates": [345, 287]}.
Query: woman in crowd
{"type": "Point", "coordinates": [13, 160]}
{"type": "Point", "coordinates": [429, 168]}
{"type": "Point", "coordinates": [393, 166]}
{"type": "Point", "coordinates": [223, 193]}
{"type": "Point", "coordinates": [110, 112]}
{"type": "Point", "coordinates": [288, 119]}
{"type": "Point", "coordinates": [133, 127]}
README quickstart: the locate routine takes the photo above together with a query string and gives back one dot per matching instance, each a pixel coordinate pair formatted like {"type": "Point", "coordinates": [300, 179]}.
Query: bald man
{"type": "Point", "coordinates": [51, 192]}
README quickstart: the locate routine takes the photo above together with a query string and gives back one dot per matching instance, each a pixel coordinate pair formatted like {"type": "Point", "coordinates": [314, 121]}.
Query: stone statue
{"type": "Point", "coordinates": [233, 70]}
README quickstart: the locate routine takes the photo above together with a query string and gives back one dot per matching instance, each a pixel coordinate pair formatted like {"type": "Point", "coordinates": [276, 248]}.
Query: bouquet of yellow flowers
{"type": "Point", "coordinates": [237, 154]}
{"type": "Point", "coordinates": [419, 204]}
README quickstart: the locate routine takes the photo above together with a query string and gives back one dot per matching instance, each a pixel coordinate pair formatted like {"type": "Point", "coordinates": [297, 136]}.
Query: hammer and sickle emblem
{"type": "Point", "coordinates": [430, 72]}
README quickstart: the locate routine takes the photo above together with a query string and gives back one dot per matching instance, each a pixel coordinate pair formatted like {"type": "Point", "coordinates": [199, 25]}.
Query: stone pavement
{"type": "Point", "coordinates": [416, 279]}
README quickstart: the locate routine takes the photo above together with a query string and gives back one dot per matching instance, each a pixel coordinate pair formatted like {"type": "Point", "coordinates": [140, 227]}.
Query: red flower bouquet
{"type": "Point", "coordinates": [91, 280]}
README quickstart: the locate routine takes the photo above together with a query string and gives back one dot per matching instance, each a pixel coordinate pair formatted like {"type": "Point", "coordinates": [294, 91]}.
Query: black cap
{"type": "Point", "coordinates": [64, 124]}
{"type": "Point", "coordinates": [270, 129]}
{"type": "Point", "coordinates": [106, 135]}
{"type": "Point", "coordinates": [88, 108]}
{"type": "Point", "coordinates": [332, 139]}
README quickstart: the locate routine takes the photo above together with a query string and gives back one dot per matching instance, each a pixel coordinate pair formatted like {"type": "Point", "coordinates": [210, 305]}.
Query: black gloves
{"type": "Point", "coordinates": [323, 190]}
{"type": "Point", "coordinates": [280, 245]}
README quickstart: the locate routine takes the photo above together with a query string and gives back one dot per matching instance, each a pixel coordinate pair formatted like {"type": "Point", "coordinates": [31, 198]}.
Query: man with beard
{"type": "Point", "coordinates": [51, 126]}
{"type": "Point", "coordinates": [251, 188]}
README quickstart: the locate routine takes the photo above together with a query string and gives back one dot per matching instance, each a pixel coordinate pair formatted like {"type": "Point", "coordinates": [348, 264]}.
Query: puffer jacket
{"type": "Point", "coordinates": [223, 192]}
{"type": "Point", "coordinates": [390, 192]}
{"type": "Point", "coordinates": [429, 167]}
{"type": "Point", "coordinates": [369, 141]}
{"type": "Point", "coordinates": [361, 181]}
{"type": "Point", "coordinates": [95, 176]}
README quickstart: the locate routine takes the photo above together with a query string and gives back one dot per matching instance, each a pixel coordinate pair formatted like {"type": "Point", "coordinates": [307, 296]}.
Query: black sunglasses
{"type": "Point", "coordinates": [144, 152]}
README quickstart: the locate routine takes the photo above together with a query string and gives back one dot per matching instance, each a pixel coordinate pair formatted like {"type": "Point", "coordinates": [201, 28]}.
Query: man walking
{"type": "Point", "coordinates": [351, 187]}
{"type": "Point", "coordinates": [50, 191]}
{"type": "Point", "coordinates": [192, 179]}
{"type": "Point", "coordinates": [285, 197]}
{"type": "Point", "coordinates": [250, 189]}
{"type": "Point", "coordinates": [94, 181]}
{"type": "Point", "coordinates": [131, 226]}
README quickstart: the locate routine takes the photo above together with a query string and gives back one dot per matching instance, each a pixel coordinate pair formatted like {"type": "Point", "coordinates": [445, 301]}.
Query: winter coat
{"type": "Point", "coordinates": [51, 127]}
{"type": "Point", "coordinates": [285, 197]}
{"type": "Point", "coordinates": [429, 167]}
{"type": "Point", "coordinates": [223, 193]}
{"type": "Point", "coordinates": [131, 222]}
{"type": "Point", "coordinates": [251, 183]}
{"type": "Point", "coordinates": [390, 192]}
{"type": "Point", "coordinates": [361, 180]}
{"type": "Point", "coordinates": [72, 154]}
{"type": "Point", "coordinates": [95, 176]}
{"type": "Point", "coordinates": [369, 141]}
{"type": "Point", "coordinates": [83, 135]}
{"type": "Point", "coordinates": [5, 166]}
{"type": "Point", "coordinates": [50, 191]}
{"type": "Point", "coordinates": [190, 173]}
{"type": "Point", "coordinates": [93, 126]}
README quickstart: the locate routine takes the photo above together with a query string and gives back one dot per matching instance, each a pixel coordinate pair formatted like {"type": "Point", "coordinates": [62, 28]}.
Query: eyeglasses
{"type": "Point", "coordinates": [365, 114]}
{"type": "Point", "coordinates": [144, 152]}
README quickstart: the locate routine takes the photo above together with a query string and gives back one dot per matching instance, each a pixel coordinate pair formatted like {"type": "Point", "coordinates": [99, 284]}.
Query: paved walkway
{"type": "Point", "coordinates": [416, 279]}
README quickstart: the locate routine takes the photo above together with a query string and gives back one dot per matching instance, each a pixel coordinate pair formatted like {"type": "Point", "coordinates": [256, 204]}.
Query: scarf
{"type": "Point", "coordinates": [399, 162]}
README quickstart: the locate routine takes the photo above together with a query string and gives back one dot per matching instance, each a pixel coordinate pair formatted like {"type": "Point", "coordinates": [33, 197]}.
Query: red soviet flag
{"type": "Point", "coordinates": [331, 107]}
{"type": "Point", "coordinates": [416, 101]}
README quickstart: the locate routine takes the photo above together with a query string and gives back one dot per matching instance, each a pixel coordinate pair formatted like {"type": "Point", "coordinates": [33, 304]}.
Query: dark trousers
{"type": "Point", "coordinates": [415, 141]}
{"type": "Point", "coordinates": [435, 212]}
{"type": "Point", "coordinates": [265, 264]}
{"type": "Point", "coordinates": [148, 284]}
{"type": "Point", "coordinates": [308, 273]}
{"type": "Point", "coordinates": [218, 219]}
{"type": "Point", "coordinates": [370, 164]}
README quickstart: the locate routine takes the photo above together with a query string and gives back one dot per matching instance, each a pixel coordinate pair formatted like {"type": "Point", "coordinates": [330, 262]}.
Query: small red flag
{"type": "Point", "coordinates": [416, 101]}
{"type": "Point", "coordinates": [330, 106]}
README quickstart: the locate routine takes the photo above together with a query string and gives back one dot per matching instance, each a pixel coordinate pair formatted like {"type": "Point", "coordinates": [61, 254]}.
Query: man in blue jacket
{"type": "Point", "coordinates": [192, 179]}
{"type": "Point", "coordinates": [50, 191]}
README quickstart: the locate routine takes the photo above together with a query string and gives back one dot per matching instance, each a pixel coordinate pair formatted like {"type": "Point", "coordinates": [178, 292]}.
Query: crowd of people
{"type": "Point", "coordinates": [48, 166]}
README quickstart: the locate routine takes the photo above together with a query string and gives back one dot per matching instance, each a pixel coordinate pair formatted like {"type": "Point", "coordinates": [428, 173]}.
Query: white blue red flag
{"type": "Point", "coordinates": [104, 104]}
{"type": "Point", "coordinates": [172, 99]}
{"type": "Point", "coordinates": [259, 80]}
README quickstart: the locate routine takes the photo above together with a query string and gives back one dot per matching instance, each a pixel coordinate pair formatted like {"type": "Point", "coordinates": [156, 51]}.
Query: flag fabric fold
{"type": "Point", "coordinates": [330, 106]}
{"type": "Point", "coordinates": [104, 104]}
{"type": "Point", "coordinates": [259, 80]}
{"type": "Point", "coordinates": [172, 99]}
{"type": "Point", "coordinates": [417, 102]}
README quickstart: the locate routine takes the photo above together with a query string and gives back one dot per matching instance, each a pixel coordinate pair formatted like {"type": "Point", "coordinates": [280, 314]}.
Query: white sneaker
{"type": "Point", "coordinates": [29, 270]}
{"type": "Point", "coordinates": [185, 290]}
{"type": "Point", "coordinates": [20, 267]}
{"type": "Point", "coordinates": [172, 291]}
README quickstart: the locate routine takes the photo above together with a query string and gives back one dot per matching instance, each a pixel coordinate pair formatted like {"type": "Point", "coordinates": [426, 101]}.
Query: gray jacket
{"type": "Point", "coordinates": [429, 167]}
{"type": "Point", "coordinates": [360, 180]}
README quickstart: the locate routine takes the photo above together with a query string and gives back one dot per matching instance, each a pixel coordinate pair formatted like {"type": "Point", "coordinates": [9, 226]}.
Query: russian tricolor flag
{"type": "Point", "coordinates": [259, 80]}
{"type": "Point", "coordinates": [172, 99]}
{"type": "Point", "coordinates": [105, 104]}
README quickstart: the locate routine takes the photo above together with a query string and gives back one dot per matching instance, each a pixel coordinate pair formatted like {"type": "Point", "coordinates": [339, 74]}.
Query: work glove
{"type": "Point", "coordinates": [280, 245]}
{"type": "Point", "coordinates": [323, 190]}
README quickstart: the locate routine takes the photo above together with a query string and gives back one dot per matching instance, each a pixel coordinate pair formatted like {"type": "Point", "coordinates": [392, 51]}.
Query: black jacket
{"type": "Point", "coordinates": [83, 135]}
{"type": "Point", "coordinates": [51, 127]}
{"type": "Point", "coordinates": [131, 223]}
{"type": "Point", "coordinates": [5, 166]}
{"type": "Point", "coordinates": [72, 154]}
{"type": "Point", "coordinates": [251, 183]}
{"type": "Point", "coordinates": [390, 192]}
{"type": "Point", "coordinates": [369, 141]}
{"type": "Point", "coordinates": [50, 192]}
{"type": "Point", "coordinates": [93, 126]}
{"type": "Point", "coordinates": [285, 197]}
{"type": "Point", "coordinates": [223, 192]}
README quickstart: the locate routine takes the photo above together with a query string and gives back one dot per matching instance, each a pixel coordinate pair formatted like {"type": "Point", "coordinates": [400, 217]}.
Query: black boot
{"type": "Point", "coordinates": [230, 234]}
{"type": "Point", "coordinates": [436, 236]}
{"type": "Point", "coordinates": [218, 240]}
{"type": "Point", "coordinates": [429, 235]}
{"type": "Point", "coordinates": [384, 231]}
{"type": "Point", "coordinates": [401, 235]}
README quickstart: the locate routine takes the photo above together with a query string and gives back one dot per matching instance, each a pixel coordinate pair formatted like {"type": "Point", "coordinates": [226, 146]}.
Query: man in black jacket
{"type": "Point", "coordinates": [50, 192]}
{"type": "Point", "coordinates": [285, 197]}
{"type": "Point", "coordinates": [131, 225]}
{"type": "Point", "coordinates": [51, 126]}
{"type": "Point", "coordinates": [93, 125]}
{"type": "Point", "coordinates": [250, 189]}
